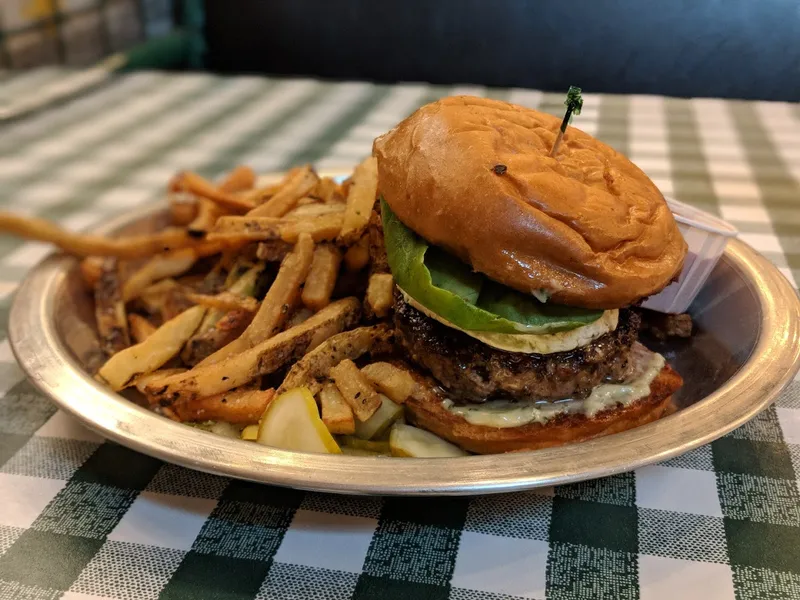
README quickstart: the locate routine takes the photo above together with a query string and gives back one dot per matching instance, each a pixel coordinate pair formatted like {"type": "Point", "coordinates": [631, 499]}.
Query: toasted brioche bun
{"type": "Point", "coordinates": [588, 227]}
{"type": "Point", "coordinates": [425, 410]}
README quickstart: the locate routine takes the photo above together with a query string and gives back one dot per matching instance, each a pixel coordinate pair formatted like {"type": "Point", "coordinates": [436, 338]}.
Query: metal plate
{"type": "Point", "coordinates": [746, 351]}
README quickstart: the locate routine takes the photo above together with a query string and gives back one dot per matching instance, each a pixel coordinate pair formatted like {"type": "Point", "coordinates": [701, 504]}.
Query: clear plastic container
{"type": "Point", "coordinates": [706, 236]}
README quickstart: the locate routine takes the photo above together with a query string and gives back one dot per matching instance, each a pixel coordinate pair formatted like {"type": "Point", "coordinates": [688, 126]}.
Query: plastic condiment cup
{"type": "Point", "coordinates": [706, 236]}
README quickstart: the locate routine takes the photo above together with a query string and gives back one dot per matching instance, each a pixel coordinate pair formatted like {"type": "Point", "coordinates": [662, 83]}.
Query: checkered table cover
{"type": "Point", "coordinates": [84, 519]}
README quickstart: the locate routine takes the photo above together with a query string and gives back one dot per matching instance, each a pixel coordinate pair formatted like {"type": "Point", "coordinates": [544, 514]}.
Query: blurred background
{"type": "Point", "coordinates": [77, 32]}
{"type": "Point", "coordinates": [717, 48]}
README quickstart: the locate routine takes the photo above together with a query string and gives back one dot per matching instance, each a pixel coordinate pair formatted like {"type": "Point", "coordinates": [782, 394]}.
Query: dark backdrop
{"type": "Point", "coordinates": [726, 48]}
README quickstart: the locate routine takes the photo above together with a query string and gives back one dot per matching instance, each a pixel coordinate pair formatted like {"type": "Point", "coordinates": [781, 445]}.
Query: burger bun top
{"type": "Point", "coordinates": [474, 176]}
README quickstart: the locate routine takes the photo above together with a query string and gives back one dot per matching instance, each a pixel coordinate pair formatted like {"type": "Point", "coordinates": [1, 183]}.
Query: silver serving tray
{"type": "Point", "coordinates": [746, 350]}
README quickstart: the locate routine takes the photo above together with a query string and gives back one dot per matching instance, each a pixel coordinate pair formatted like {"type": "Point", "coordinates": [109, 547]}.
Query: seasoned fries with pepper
{"type": "Point", "coordinates": [140, 328]}
{"type": "Point", "coordinates": [278, 302]}
{"type": "Point", "coordinates": [321, 277]}
{"type": "Point", "coordinates": [360, 199]}
{"type": "Point", "coordinates": [394, 382]}
{"type": "Point", "coordinates": [298, 184]}
{"type": "Point", "coordinates": [164, 343]}
{"type": "Point", "coordinates": [379, 293]}
{"type": "Point", "coordinates": [112, 323]}
{"type": "Point", "coordinates": [316, 364]}
{"type": "Point", "coordinates": [267, 357]}
{"type": "Point", "coordinates": [254, 289]}
{"type": "Point", "coordinates": [356, 389]}
{"type": "Point", "coordinates": [236, 230]}
{"type": "Point", "coordinates": [336, 413]}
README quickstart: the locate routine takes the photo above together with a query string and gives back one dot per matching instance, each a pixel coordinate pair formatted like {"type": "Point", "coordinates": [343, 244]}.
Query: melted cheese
{"type": "Point", "coordinates": [530, 343]}
{"type": "Point", "coordinates": [504, 413]}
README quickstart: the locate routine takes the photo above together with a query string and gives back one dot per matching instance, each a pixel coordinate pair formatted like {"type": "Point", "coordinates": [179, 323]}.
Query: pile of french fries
{"type": "Point", "coordinates": [251, 291]}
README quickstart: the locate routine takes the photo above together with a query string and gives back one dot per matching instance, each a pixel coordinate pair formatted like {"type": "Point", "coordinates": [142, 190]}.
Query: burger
{"type": "Point", "coordinates": [516, 272]}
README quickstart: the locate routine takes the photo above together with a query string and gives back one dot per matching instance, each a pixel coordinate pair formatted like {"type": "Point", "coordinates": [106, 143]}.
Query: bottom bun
{"type": "Point", "coordinates": [425, 410]}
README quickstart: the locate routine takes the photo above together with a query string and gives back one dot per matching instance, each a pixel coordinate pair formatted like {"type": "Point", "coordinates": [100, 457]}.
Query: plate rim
{"type": "Point", "coordinates": [50, 367]}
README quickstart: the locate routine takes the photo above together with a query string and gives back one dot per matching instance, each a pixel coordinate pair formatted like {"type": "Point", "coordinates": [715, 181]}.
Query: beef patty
{"type": "Point", "coordinates": [473, 371]}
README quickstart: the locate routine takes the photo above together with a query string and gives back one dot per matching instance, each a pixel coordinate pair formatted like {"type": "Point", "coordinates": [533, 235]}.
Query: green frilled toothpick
{"type": "Point", "coordinates": [574, 103]}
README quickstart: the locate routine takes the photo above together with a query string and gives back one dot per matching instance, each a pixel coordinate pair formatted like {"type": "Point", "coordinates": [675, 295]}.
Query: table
{"type": "Point", "coordinates": [83, 519]}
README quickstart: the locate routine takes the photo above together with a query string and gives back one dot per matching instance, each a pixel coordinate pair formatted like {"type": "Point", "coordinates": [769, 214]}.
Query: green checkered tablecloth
{"type": "Point", "coordinates": [83, 519]}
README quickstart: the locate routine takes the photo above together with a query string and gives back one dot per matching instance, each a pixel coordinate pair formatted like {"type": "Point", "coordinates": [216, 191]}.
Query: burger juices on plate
{"type": "Point", "coordinates": [515, 273]}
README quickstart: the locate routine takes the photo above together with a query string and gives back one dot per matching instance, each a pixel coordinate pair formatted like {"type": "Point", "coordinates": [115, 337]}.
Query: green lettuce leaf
{"type": "Point", "coordinates": [448, 287]}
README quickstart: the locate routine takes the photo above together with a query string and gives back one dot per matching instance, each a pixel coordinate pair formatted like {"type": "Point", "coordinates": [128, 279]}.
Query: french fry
{"type": "Point", "coordinates": [378, 263]}
{"type": "Point", "coordinates": [273, 251]}
{"type": "Point", "coordinates": [91, 269]}
{"type": "Point", "coordinates": [322, 228]}
{"type": "Point", "coordinates": [166, 297]}
{"type": "Point", "coordinates": [174, 304]}
{"type": "Point", "coordinates": [140, 328]}
{"type": "Point", "coordinates": [241, 179]}
{"type": "Point", "coordinates": [214, 280]}
{"type": "Point", "coordinates": [327, 190]}
{"type": "Point", "coordinates": [259, 195]}
{"type": "Point", "coordinates": [159, 287]}
{"type": "Point", "coordinates": [191, 282]}
{"type": "Point", "coordinates": [109, 311]}
{"type": "Point", "coordinates": [344, 187]}
{"type": "Point", "coordinates": [299, 316]}
{"type": "Point", "coordinates": [222, 332]}
{"type": "Point", "coordinates": [154, 296]}
{"type": "Point", "coordinates": [210, 248]}
{"type": "Point", "coordinates": [182, 208]}
{"type": "Point", "coordinates": [211, 319]}
{"type": "Point", "coordinates": [278, 302]}
{"type": "Point", "coordinates": [262, 359]}
{"type": "Point", "coordinates": [356, 389]}
{"type": "Point", "coordinates": [200, 186]}
{"type": "Point", "coordinates": [315, 365]}
{"type": "Point", "coordinates": [321, 277]}
{"type": "Point", "coordinates": [298, 183]}
{"type": "Point", "coordinates": [240, 407]}
{"type": "Point", "coordinates": [360, 198]}
{"type": "Point", "coordinates": [287, 178]}
{"type": "Point", "coordinates": [242, 280]}
{"type": "Point", "coordinates": [394, 382]}
{"type": "Point", "coordinates": [336, 413]}
{"type": "Point", "coordinates": [304, 211]}
{"type": "Point", "coordinates": [151, 354]}
{"type": "Point", "coordinates": [77, 244]}
{"type": "Point", "coordinates": [159, 267]}
{"type": "Point", "coordinates": [380, 292]}
{"type": "Point", "coordinates": [207, 214]}
{"type": "Point", "coordinates": [357, 255]}
{"type": "Point", "coordinates": [243, 276]}
{"type": "Point", "coordinates": [175, 184]}
{"type": "Point", "coordinates": [224, 300]}
{"type": "Point", "coordinates": [140, 381]}
{"type": "Point", "coordinates": [154, 278]}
